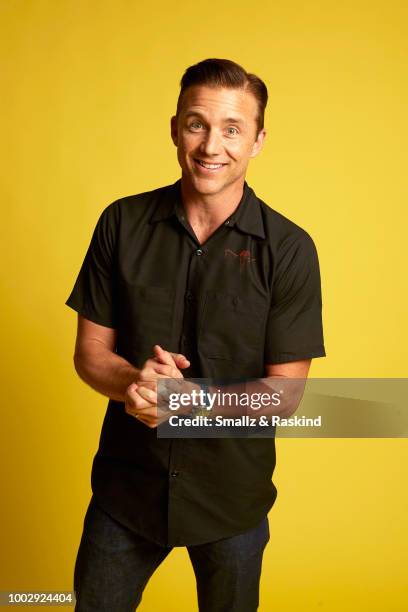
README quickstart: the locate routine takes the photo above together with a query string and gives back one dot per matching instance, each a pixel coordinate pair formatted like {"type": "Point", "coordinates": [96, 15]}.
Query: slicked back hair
{"type": "Point", "coordinates": [225, 73]}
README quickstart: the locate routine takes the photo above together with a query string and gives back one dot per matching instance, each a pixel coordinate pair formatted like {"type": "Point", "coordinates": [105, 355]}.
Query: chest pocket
{"type": "Point", "coordinates": [232, 326]}
{"type": "Point", "coordinates": [146, 315]}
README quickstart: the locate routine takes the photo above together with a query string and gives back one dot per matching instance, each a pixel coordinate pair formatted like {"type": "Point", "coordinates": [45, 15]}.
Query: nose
{"type": "Point", "coordinates": [211, 143]}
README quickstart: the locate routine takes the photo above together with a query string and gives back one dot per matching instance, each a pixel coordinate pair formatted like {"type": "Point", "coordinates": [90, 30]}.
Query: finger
{"type": "Point", "coordinates": [147, 394]}
{"type": "Point", "coordinates": [137, 403]}
{"type": "Point", "coordinates": [167, 387]}
{"type": "Point", "coordinates": [150, 384]}
{"type": "Point", "coordinates": [153, 420]}
{"type": "Point", "coordinates": [152, 416]}
{"type": "Point", "coordinates": [163, 356]}
{"type": "Point", "coordinates": [132, 388]}
{"type": "Point", "coordinates": [180, 360]}
{"type": "Point", "coordinates": [167, 370]}
{"type": "Point", "coordinates": [134, 400]}
{"type": "Point", "coordinates": [132, 396]}
{"type": "Point", "coordinates": [149, 375]}
{"type": "Point", "coordinates": [162, 416]}
{"type": "Point", "coordinates": [147, 402]}
{"type": "Point", "coordinates": [148, 414]}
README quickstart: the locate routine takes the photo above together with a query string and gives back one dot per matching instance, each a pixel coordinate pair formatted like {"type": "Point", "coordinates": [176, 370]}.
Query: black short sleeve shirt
{"type": "Point", "coordinates": [249, 296]}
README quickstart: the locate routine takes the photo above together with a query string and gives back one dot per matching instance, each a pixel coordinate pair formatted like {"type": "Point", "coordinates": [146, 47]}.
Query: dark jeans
{"type": "Point", "coordinates": [114, 564]}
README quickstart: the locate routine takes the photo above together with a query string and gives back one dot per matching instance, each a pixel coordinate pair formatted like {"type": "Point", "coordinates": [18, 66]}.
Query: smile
{"type": "Point", "coordinates": [209, 166]}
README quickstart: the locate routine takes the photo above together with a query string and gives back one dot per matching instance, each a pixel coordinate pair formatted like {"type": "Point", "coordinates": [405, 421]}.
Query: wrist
{"type": "Point", "coordinates": [128, 376]}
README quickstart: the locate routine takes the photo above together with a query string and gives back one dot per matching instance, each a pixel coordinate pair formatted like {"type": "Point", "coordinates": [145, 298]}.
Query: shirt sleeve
{"type": "Point", "coordinates": [294, 328]}
{"type": "Point", "coordinates": [93, 293]}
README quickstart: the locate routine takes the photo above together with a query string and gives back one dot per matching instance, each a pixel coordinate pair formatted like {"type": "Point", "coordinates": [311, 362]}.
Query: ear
{"type": "Point", "coordinates": [174, 130]}
{"type": "Point", "coordinates": [258, 144]}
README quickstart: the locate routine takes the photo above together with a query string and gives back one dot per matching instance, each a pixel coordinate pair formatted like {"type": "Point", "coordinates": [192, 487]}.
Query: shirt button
{"type": "Point", "coordinates": [199, 252]}
{"type": "Point", "coordinates": [227, 222]}
{"type": "Point", "coordinates": [189, 296]}
{"type": "Point", "coordinates": [174, 474]}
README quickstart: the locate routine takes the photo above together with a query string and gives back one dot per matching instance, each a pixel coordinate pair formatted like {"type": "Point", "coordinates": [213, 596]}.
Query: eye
{"type": "Point", "coordinates": [232, 131]}
{"type": "Point", "coordinates": [195, 125]}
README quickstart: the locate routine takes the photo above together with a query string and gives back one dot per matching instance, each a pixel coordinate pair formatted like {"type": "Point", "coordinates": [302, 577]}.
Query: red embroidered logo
{"type": "Point", "coordinates": [244, 256]}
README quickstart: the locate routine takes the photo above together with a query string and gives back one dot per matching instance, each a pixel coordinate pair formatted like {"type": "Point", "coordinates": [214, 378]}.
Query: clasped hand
{"type": "Point", "coordinates": [141, 396]}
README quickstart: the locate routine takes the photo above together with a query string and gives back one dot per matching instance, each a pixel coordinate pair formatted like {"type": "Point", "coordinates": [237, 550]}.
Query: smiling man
{"type": "Point", "coordinates": [195, 279]}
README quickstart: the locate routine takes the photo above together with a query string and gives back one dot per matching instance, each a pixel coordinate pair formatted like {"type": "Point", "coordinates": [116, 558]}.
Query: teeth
{"type": "Point", "coordinates": [209, 166]}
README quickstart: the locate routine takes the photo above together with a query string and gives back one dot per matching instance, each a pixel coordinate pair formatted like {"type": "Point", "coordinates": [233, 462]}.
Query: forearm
{"type": "Point", "coordinates": [105, 371]}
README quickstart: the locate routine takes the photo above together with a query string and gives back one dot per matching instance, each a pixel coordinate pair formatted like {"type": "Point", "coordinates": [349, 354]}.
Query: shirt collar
{"type": "Point", "coordinates": [247, 217]}
{"type": "Point", "coordinates": [169, 203]}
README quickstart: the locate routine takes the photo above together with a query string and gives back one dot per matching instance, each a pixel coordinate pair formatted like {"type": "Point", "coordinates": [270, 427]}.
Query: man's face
{"type": "Point", "coordinates": [216, 136]}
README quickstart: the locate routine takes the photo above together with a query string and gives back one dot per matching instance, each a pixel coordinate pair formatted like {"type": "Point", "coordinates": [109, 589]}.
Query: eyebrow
{"type": "Point", "coordinates": [228, 120]}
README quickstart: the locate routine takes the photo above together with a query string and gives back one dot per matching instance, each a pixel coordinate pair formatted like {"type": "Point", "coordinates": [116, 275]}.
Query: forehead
{"type": "Point", "coordinates": [219, 101]}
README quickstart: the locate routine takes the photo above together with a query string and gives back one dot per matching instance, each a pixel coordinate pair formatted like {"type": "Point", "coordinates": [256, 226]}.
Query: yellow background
{"type": "Point", "coordinates": [88, 90]}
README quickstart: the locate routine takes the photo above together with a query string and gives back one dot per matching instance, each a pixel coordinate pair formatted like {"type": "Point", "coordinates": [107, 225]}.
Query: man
{"type": "Point", "coordinates": [196, 279]}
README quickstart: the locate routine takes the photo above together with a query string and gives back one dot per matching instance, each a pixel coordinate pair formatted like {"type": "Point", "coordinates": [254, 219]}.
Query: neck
{"type": "Point", "coordinates": [206, 212]}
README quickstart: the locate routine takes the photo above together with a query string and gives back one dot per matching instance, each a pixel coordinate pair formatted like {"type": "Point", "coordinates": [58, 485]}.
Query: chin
{"type": "Point", "coordinates": [207, 186]}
